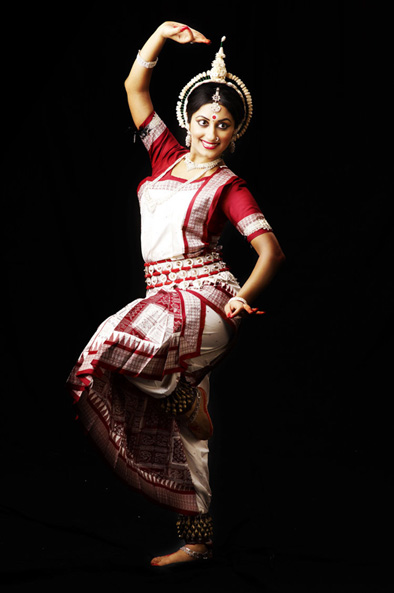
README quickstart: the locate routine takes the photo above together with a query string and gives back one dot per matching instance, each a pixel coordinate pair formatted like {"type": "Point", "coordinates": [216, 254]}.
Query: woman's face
{"type": "Point", "coordinates": [211, 133]}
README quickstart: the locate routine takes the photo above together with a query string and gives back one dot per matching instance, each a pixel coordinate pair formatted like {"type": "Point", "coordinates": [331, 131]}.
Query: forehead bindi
{"type": "Point", "coordinates": [206, 111]}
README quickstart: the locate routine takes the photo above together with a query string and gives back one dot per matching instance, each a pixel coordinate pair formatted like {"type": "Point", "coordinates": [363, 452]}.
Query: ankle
{"type": "Point", "coordinates": [195, 529]}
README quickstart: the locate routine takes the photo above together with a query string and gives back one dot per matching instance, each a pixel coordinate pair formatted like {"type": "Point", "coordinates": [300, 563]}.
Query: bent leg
{"type": "Point", "coordinates": [197, 531]}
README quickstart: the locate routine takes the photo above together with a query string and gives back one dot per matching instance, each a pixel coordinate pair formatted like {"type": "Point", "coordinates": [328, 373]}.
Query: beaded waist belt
{"type": "Point", "coordinates": [189, 271]}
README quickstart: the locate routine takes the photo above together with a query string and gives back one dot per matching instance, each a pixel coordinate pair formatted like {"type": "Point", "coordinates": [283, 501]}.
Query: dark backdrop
{"type": "Point", "coordinates": [300, 454]}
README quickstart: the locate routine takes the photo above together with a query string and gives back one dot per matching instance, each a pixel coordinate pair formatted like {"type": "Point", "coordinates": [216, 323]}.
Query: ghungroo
{"type": "Point", "coordinates": [180, 400]}
{"type": "Point", "coordinates": [197, 529]}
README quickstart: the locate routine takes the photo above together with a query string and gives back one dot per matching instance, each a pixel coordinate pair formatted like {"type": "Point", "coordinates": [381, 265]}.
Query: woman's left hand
{"type": "Point", "coordinates": [238, 308]}
{"type": "Point", "coordinates": [182, 33]}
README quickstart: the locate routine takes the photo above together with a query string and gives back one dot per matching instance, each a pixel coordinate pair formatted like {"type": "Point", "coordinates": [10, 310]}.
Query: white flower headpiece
{"type": "Point", "coordinates": [218, 73]}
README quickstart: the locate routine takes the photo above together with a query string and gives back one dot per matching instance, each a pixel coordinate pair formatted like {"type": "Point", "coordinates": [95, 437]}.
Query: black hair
{"type": "Point", "coordinates": [229, 98]}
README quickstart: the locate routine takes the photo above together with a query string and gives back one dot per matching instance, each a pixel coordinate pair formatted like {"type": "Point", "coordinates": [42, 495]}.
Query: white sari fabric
{"type": "Point", "coordinates": [179, 328]}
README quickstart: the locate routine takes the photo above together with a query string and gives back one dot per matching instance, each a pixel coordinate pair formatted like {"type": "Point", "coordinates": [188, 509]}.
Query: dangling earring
{"type": "Point", "coordinates": [188, 140]}
{"type": "Point", "coordinates": [232, 144]}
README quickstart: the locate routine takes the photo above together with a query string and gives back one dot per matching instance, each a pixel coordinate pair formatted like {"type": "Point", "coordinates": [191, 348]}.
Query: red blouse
{"type": "Point", "coordinates": [232, 200]}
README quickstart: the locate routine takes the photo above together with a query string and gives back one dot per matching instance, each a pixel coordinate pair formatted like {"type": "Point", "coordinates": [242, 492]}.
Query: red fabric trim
{"type": "Point", "coordinates": [147, 121]}
{"type": "Point", "coordinates": [211, 212]}
{"type": "Point", "coordinates": [188, 214]}
{"type": "Point", "coordinates": [184, 357]}
{"type": "Point", "coordinates": [115, 369]}
{"type": "Point", "coordinates": [130, 468]}
{"type": "Point", "coordinates": [214, 307]}
{"type": "Point", "coordinates": [257, 233]}
{"type": "Point", "coordinates": [131, 349]}
{"type": "Point", "coordinates": [183, 313]}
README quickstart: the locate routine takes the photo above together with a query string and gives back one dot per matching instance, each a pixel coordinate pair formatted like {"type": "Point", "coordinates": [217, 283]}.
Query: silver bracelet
{"type": "Point", "coordinates": [237, 298]}
{"type": "Point", "coordinates": [141, 61]}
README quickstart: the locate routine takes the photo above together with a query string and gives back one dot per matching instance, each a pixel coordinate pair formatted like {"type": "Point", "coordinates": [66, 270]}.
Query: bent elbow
{"type": "Point", "coordinates": [127, 85]}
{"type": "Point", "coordinates": [131, 85]}
{"type": "Point", "coordinates": [280, 258]}
{"type": "Point", "coordinates": [277, 256]}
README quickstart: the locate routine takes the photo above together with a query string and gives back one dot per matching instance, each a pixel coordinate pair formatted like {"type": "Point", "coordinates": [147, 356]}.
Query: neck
{"type": "Point", "coordinates": [202, 164]}
{"type": "Point", "coordinates": [200, 160]}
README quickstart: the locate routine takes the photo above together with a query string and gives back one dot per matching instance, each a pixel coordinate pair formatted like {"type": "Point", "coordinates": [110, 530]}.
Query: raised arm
{"type": "Point", "coordinates": [138, 81]}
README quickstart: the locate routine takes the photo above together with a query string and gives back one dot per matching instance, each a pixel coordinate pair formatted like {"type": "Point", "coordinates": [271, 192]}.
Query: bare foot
{"type": "Point", "coordinates": [179, 556]}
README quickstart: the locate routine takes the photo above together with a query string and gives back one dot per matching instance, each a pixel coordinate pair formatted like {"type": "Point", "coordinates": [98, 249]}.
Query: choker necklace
{"type": "Point", "coordinates": [192, 165]}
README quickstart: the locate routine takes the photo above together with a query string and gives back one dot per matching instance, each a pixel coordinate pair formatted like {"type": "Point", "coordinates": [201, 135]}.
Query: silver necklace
{"type": "Point", "coordinates": [152, 202]}
{"type": "Point", "coordinates": [206, 166]}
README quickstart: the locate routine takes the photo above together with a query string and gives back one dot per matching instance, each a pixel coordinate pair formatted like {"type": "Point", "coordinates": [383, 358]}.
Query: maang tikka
{"type": "Point", "coordinates": [215, 105]}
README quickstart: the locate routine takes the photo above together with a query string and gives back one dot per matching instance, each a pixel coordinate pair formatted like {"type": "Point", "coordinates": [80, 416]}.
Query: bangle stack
{"type": "Point", "coordinates": [142, 62]}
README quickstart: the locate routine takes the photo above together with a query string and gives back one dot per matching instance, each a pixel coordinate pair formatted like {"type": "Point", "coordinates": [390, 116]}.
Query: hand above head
{"type": "Point", "coordinates": [137, 83]}
{"type": "Point", "coordinates": [182, 33]}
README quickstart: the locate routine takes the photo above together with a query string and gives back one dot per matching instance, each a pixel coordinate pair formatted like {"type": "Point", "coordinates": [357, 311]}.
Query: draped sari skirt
{"type": "Point", "coordinates": [135, 358]}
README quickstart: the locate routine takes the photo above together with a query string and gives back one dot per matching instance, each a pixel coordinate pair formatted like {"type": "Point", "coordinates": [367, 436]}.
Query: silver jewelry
{"type": "Point", "coordinates": [207, 166]}
{"type": "Point", "coordinates": [215, 106]}
{"type": "Point", "coordinates": [145, 64]}
{"type": "Point", "coordinates": [197, 555]}
{"type": "Point", "coordinates": [237, 298]}
{"type": "Point", "coordinates": [188, 140]}
{"type": "Point", "coordinates": [218, 73]}
{"type": "Point", "coordinates": [152, 202]}
{"type": "Point", "coordinates": [193, 415]}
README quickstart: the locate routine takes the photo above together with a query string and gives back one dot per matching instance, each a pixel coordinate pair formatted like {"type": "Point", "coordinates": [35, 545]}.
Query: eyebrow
{"type": "Point", "coordinates": [219, 120]}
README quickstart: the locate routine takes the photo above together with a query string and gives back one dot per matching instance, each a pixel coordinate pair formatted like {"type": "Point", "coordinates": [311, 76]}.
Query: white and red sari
{"type": "Point", "coordinates": [179, 328]}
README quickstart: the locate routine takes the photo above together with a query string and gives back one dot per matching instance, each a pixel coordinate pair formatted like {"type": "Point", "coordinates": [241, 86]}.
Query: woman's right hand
{"type": "Point", "coordinates": [181, 33]}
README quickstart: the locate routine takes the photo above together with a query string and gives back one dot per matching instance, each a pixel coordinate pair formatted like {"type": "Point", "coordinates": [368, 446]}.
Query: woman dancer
{"type": "Point", "coordinates": [142, 382]}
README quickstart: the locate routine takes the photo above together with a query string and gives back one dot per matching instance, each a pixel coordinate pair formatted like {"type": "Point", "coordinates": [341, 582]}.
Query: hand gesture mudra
{"type": "Point", "coordinates": [235, 308]}
{"type": "Point", "coordinates": [181, 33]}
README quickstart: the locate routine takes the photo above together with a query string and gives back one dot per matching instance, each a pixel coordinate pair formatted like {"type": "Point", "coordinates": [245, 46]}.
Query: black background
{"type": "Point", "coordinates": [300, 456]}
